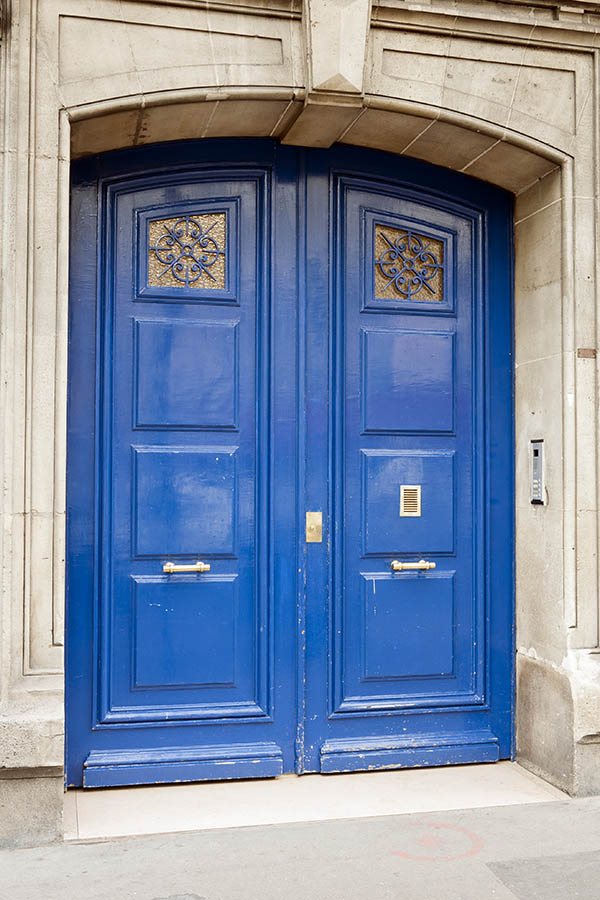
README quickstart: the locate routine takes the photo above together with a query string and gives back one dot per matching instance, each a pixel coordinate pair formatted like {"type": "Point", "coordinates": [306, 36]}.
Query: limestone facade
{"type": "Point", "coordinates": [505, 92]}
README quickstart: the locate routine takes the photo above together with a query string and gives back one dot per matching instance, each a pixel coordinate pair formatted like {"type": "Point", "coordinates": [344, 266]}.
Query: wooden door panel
{"type": "Point", "coordinates": [402, 341]}
{"type": "Point", "coordinates": [179, 674]}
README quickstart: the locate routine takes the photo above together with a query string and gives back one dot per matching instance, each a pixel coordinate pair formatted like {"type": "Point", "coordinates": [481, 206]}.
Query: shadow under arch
{"type": "Point", "coordinates": [453, 140]}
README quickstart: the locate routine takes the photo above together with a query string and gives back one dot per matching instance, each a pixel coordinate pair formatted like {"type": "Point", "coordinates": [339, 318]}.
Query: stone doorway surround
{"type": "Point", "coordinates": [506, 93]}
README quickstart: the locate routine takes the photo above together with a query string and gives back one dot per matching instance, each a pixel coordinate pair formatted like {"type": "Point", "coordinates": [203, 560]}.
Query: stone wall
{"type": "Point", "coordinates": [504, 92]}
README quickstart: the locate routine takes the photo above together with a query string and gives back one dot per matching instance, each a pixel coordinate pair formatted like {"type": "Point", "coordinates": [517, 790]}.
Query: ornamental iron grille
{"type": "Point", "coordinates": [408, 266]}
{"type": "Point", "coordinates": [188, 252]}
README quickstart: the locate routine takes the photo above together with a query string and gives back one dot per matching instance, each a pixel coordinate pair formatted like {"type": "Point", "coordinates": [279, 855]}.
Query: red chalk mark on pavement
{"type": "Point", "coordinates": [448, 842]}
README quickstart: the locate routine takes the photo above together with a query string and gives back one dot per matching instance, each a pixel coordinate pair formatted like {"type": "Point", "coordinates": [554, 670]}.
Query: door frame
{"type": "Point", "coordinates": [497, 310]}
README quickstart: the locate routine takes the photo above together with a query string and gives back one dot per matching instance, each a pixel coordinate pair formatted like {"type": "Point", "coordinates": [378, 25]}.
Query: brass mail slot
{"type": "Point", "coordinates": [314, 527]}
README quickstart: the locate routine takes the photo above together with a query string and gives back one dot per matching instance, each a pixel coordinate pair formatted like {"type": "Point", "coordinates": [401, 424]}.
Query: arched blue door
{"type": "Point", "coordinates": [258, 333]}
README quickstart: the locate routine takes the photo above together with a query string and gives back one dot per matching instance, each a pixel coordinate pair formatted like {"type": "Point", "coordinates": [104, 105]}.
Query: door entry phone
{"type": "Point", "coordinates": [537, 488]}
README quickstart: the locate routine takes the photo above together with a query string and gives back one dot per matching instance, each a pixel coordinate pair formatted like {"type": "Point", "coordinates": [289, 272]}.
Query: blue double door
{"type": "Point", "coordinates": [289, 465]}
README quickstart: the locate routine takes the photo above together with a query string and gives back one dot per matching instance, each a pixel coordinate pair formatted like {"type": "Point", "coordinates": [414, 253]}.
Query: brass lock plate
{"type": "Point", "coordinates": [314, 527]}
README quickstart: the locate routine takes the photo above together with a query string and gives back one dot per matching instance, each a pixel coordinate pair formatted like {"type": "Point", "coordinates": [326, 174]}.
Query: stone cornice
{"type": "Point", "coordinates": [570, 12]}
{"type": "Point", "coordinates": [570, 7]}
{"type": "Point", "coordinates": [454, 7]}
{"type": "Point", "coordinates": [574, 16]}
{"type": "Point", "coordinates": [287, 8]}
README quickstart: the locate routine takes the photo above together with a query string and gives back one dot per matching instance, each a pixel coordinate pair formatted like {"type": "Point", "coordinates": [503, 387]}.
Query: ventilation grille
{"type": "Point", "coordinates": [410, 499]}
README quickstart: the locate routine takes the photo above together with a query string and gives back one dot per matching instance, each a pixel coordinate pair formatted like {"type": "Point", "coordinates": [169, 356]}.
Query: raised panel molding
{"type": "Point", "coordinates": [184, 632]}
{"type": "Point", "coordinates": [427, 405]}
{"type": "Point", "coordinates": [209, 762]}
{"type": "Point", "coordinates": [151, 47]}
{"type": "Point", "coordinates": [397, 751]}
{"type": "Point", "coordinates": [213, 277]}
{"type": "Point", "coordinates": [530, 89]}
{"type": "Point", "coordinates": [385, 532]}
{"type": "Point", "coordinates": [197, 492]}
{"type": "Point", "coordinates": [172, 392]}
{"type": "Point", "coordinates": [391, 621]}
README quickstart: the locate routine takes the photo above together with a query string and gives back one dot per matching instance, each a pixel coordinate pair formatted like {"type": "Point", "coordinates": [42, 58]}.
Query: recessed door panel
{"type": "Point", "coordinates": [172, 389]}
{"type": "Point", "coordinates": [390, 526]}
{"type": "Point", "coordinates": [409, 626]}
{"type": "Point", "coordinates": [185, 632]}
{"type": "Point", "coordinates": [186, 500]}
{"type": "Point", "coordinates": [408, 381]}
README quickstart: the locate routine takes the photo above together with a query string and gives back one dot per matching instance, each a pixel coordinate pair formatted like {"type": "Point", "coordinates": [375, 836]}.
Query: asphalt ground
{"type": "Point", "coordinates": [538, 851]}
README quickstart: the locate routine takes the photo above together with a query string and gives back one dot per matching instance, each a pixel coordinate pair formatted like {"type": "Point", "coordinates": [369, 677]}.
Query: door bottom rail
{"type": "Point", "coordinates": [113, 768]}
{"type": "Point", "coordinates": [408, 752]}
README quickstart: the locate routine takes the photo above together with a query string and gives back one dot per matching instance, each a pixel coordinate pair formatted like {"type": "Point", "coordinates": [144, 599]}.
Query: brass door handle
{"type": "Point", "coordinates": [398, 566]}
{"type": "Point", "coordinates": [170, 567]}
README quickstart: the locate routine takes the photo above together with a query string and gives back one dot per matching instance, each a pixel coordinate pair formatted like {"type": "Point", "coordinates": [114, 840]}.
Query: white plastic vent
{"type": "Point", "coordinates": [410, 499]}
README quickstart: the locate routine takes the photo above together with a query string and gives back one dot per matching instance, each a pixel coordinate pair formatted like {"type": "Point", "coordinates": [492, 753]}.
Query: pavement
{"type": "Point", "coordinates": [530, 851]}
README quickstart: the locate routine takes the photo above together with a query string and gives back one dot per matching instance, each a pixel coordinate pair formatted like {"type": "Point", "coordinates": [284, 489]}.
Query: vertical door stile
{"type": "Point", "coordinates": [301, 455]}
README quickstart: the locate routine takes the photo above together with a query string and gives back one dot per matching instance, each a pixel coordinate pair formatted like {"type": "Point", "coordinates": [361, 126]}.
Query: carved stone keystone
{"type": "Point", "coordinates": [336, 33]}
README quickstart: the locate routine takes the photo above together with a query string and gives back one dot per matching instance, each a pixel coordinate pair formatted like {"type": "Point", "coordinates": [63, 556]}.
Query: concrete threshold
{"type": "Point", "coordinates": [93, 815]}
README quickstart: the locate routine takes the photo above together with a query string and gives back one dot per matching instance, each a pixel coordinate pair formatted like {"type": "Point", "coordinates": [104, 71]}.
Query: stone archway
{"type": "Point", "coordinates": [541, 179]}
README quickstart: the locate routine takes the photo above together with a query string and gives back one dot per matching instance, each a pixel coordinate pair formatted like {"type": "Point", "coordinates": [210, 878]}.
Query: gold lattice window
{"type": "Point", "coordinates": [408, 266]}
{"type": "Point", "coordinates": [189, 251]}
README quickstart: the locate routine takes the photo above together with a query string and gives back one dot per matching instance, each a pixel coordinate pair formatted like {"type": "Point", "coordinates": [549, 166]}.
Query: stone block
{"type": "Point", "coordinates": [449, 145]}
{"type": "Point", "coordinates": [320, 125]}
{"type": "Point", "coordinates": [338, 37]}
{"type": "Point", "coordinates": [31, 810]}
{"type": "Point", "coordinates": [539, 579]}
{"type": "Point", "coordinates": [538, 312]}
{"type": "Point", "coordinates": [245, 118]}
{"type": "Point", "coordinates": [510, 167]}
{"type": "Point", "coordinates": [385, 130]}
{"type": "Point", "coordinates": [545, 722]}
{"type": "Point", "coordinates": [538, 258]}
{"type": "Point", "coordinates": [587, 769]}
{"type": "Point", "coordinates": [542, 193]}
{"type": "Point", "coordinates": [539, 415]}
